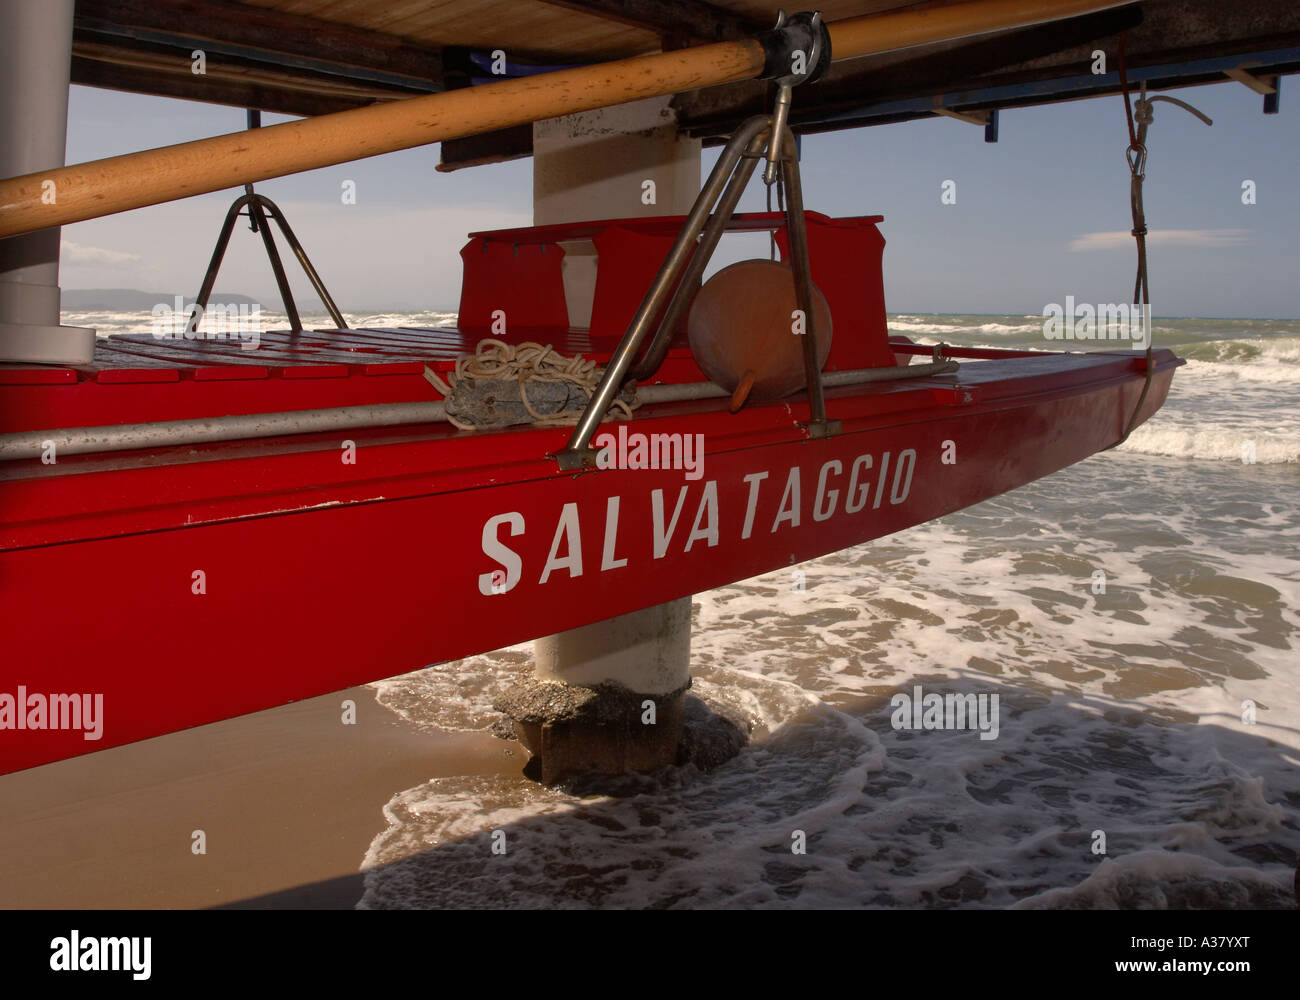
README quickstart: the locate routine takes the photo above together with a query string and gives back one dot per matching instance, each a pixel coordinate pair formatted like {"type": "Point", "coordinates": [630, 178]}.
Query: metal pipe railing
{"type": "Point", "coordinates": [252, 426]}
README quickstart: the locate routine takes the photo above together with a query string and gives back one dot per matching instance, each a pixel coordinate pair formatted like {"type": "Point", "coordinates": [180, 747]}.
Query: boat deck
{"type": "Point", "coordinates": [286, 354]}
{"type": "Point", "coordinates": [175, 379]}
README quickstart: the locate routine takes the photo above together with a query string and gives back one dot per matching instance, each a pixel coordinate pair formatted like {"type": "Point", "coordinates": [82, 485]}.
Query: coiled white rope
{"type": "Point", "coordinates": [523, 363]}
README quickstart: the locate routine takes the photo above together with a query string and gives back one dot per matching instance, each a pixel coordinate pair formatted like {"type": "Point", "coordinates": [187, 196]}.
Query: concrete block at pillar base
{"type": "Point", "coordinates": [576, 732]}
{"type": "Point", "coordinates": [606, 729]}
{"type": "Point", "coordinates": [51, 345]}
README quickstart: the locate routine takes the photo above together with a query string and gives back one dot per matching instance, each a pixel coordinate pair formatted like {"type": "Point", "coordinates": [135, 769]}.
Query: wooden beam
{"type": "Point", "coordinates": [171, 62]}
{"type": "Point", "coordinates": [188, 87]}
{"type": "Point", "coordinates": [491, 147]}
{"type": "Point", "coordinates": [244, 30]}
{"type": "Point", "coordinates": [1253, 82]}
{"type": "Point", "coordinates": [969, 117]}
{"type": "Point", "coordinates": [680, 20]}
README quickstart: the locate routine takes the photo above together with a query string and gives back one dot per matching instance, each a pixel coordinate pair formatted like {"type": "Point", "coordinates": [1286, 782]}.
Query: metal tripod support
{"type": "Point", "coordinates": [260, 208]}
{"type": "Point", "coordinates": [762, 137]}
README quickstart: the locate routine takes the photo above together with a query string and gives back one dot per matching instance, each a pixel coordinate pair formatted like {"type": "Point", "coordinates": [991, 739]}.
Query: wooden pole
{"type": "Point", "coordinates": [135, 180]}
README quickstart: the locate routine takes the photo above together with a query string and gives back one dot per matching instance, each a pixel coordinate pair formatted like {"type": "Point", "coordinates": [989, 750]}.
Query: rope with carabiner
{"type": "Point", "coordinates": [1136, 155]}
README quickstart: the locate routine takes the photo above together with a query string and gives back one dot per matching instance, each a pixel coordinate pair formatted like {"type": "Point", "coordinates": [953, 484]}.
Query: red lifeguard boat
{"type": "Point", "coordinates": [199, 581]}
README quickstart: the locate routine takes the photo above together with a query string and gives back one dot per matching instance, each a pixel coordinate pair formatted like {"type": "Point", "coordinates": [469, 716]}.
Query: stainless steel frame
{"type": "Point", "coordinates": [675, 284]}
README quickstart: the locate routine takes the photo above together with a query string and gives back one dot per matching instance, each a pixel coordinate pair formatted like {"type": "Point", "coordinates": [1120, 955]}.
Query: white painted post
{"type": "Point", "coordinates": [35, 64]}
{"type": "Point", "coordinates": [595, 165]}
{"type": "Point", "coordinates": [647, 651]}
{"type": "Point", "coordinates": [588, 166]}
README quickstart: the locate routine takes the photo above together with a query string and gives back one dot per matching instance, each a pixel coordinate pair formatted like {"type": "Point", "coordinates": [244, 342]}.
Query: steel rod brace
{"type": "Point", "coordinates": [674, 286]}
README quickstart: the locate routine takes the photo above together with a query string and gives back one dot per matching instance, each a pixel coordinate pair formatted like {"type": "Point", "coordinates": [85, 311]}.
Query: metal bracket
{"type": "Point", "coordinates": [575, 460]}
{"type": "Point", "coordinates": [824, 429]}
{"type": "Point", "coordinates": [803, 34]}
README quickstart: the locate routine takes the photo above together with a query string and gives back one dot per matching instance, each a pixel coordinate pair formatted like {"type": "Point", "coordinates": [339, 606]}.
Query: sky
{"type": "Point", "coordinates": [1039, 215]}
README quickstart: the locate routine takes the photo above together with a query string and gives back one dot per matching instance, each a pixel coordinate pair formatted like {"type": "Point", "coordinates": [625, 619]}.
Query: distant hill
{"type": "Point", "coordinates": [133, 300]}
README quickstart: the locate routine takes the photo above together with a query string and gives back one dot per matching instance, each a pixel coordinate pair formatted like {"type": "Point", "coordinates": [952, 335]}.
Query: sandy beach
{"type": "Point", "coordinates": [289, 800]}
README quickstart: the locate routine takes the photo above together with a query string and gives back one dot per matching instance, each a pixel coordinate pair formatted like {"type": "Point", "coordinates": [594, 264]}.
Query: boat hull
{"type": "Point", "coordinates": [189, 585]}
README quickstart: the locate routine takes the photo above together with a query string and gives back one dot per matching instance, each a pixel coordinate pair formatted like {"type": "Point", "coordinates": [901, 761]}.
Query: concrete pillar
{"type": "Point", "coordinates": [608, 697]}
{"type": "Point", "coordinates": [35, 63]}
{"type": "Point", "coordinates": [595, 165]}
{"type": "Point", "coordinates": [648, 651]}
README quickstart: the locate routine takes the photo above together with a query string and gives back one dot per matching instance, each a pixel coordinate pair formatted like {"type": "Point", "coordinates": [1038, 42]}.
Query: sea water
{"type": "Point", "coordinates": [1149, 718]}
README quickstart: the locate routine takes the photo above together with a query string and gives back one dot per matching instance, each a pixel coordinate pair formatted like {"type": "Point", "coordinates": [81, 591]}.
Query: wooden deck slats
{"type": "Point", "coordinates": [120, 350]}
{"type": "Point", "coordinates": [138, 378]}
{"type": "Point", "coordinates": [312, 354]}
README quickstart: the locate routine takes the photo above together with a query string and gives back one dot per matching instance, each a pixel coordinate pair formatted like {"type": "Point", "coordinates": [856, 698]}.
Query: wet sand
{"type": "Point", "coordinates": [289, 800]}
